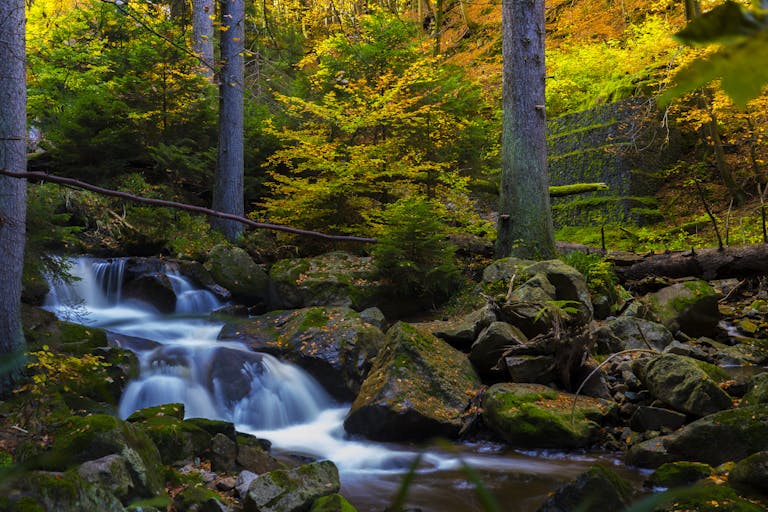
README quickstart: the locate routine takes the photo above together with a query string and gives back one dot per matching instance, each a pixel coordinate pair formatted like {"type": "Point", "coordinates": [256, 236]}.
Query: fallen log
{"type": "Point", "coordinates": [739, 262]}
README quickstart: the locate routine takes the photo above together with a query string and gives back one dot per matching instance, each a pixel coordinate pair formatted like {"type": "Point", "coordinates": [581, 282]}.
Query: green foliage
{"type": "Point", "coordinates": [67, 373]}
{"type": "Point", "coordinates": [738, 63]}
{"type": "Point", "coordinates": [599, 274]}
{"type": "Point", "coordinates": [412, 251]}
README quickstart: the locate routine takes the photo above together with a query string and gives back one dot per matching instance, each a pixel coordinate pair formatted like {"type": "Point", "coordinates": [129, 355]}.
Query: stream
{"type": "Point", "coordinates": [182, 361]}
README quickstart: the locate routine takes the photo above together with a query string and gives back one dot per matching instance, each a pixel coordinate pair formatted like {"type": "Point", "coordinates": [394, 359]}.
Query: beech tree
{"type": "Point", "coordinates": [13, 156]}
{"type": "Point", "coordinates": [202, 34]}
{"type": "Point", "coordinates": [525, 220]}
{"type": "Point", "coordinates": [228, 189]}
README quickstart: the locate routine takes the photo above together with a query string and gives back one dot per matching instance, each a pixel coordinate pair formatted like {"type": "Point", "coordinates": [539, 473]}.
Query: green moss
{"type": "Point", "coordinates": [678, 474]}
{"type": "Point", "coordinates": [175, 410]}
{"type": "Point", "coordinates": [25, 504]}
{"type": "Point", "coordinates": [708, 498]}
{"type": "Point", "coordinates": [314, 317]}
{"type": "Point", "coordinates": [332, 503]}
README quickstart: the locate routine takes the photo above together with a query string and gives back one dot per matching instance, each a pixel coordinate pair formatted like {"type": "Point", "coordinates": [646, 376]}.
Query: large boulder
{"type": "Point", "coordinates": [751, 473]}
{"type": "Point", "coordinates": [683, 384]}
{"type": "Point", "coordinates": [292, 490]}
{"type": "Point", "coordinates": [536, 416]}
{"type": "Point", "coordinates": [333, 279]}
{"type": "Point", "coordinates": [418, 388]}
{"type": "Point", "coordinates": [334, 344]}
{"type": "Point", "coordinates": [724, 436]}
{"type": "Point", "coordinates": [110, 472]}
{"type": "Point", "coordinates": [758, 390]}
{"type": "Point", "coordinates": [487, 352]}
{"type": "Point", "coordinates": [62, 492]}
{"type": "Point", "coordinates": [599, 488]}
{"type": "Point", "coordinates": [178, 441]}
{"type": "Point", "coordinates": [690, 307]}
{"type": "Point", "coordinates": [626, 333]}
{"type": "Point", "coordinates": [232, 268]}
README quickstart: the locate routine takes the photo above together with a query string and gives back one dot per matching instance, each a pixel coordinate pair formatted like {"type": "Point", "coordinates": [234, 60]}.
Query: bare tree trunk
{"type": "Point", "coordinates": [13, 192]}
{"type": "Point", "coordinates": [228, 189]}
{"type": "Point", "coordinates": [202, 34]}
{"type": "Point", "coordinates": [525, 220]}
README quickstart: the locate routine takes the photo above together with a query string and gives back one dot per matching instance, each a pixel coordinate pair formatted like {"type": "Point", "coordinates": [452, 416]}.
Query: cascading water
{"type": "Point", "coordinates": [182, 361]}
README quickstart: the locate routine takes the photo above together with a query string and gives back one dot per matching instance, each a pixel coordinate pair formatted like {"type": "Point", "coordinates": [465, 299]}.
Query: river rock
{"type": "Point", "coordinates": [375, 317]}
{"type": "Point", "coordinates": [198, 499]}
{"type": "Point", "coordinates": [177, 441]}
{"type": "Point", "coordinates": [690, 307]}
{"type": "Point", "coordinates": [724, 436]}
{"type": "Point", "coordinates": [418, 388]}
{"type": "Point", "coordinates": [463, 331]}
{"type": "Point", "coordinates": [334, 344]}
{"type": "Point", "coordinates": [536, 416]}
{"type": "Point", "coordinates": [487, 351]}
{"type": "Point", "coordinates": [232, 268]}
{"type": "Point", "coordinates": [155, 289]}
{"type": "Point", "coordinates": [626, 333]}
{"type": "Point", "coordinates": [758, 390]}
{"type": "Point", "coordinates": [82, 439]}
{"type": "Point", "coordinates": [292, 490]}
{"type": "Point", "coordinates": [231, 373]}
{"type": "Point", "coordinates": [599, 488]}
{"type": "Point", "coordinates": [110, 472]}
{"type": "Point", "coordinates": [252, 454]}
{"type": "Point", "coordinates": [679, 474]}
{"type": "Point", "coordinates": [655, 418]}
{"type": "Point", "coordinates": [332, 279]}
{"type": "Point", "coordinates": [60, 492]}
{"type": "Point", "coordinates": [751, 473]}
{"type": "Point", "coordinates": [681, 383]}
{"type": "Point", "coordinates": [533, 369]}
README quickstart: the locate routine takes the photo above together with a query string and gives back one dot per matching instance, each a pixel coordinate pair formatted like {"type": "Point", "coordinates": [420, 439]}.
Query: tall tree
{"type": "Point", "coordinates": [525, 220]}
{"type": "Point", "coordinates": [202, 34]}
{"type": "Point", "coordinates": [13, 192]}
{"type": "Point", "coordinates": [228, 189]}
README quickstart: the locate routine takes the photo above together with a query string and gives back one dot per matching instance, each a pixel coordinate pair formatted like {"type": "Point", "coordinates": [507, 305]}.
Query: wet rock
{"type": "Point", "coordinates": [292, 490]}
{"type": "Point", "coordinates": [599, 488]}
{"type": "Point", "coordinates": [232, 268]}
{"type": "Point", "coordinates": [462, 332]}
{"type": "Point", "coordinates": [690, 307]}
{"type": "Point", "coordinates": [758, 390]}
{"type": "Point", "coordinates": [332, 503]}
{"type": "Point", "coordinates": [486, 353]}
{"type": "Point", "coordinates": [154, 288]}
{"type": "Point", "coordinates": [724, 436]}
{"type": "Point", "coordinates": [751, 474]}
{"type": "Point", "coordinates": [253, 456]}
{"type": "Point", "coordinates": [535, 416]}
{"type": "Point", "coordinates": [110, 472]}
{"type": "Point", "coordinates": [177, 441]}
{"type": "Point", "coordinates": [334, 344]}
{"type": "Point", "coordinates": [418, 388]}
{"type": "Point", "coordinates": [60, 492]}
{"type": "Point", "coordinates": [626, 333]}
{"type": "Point", "coordinates": [655, 418]}
{"type": "Point", "coordinates": [231, 373]}
{"type": "Point", "coordinates": [375, 317]}
{"type": "Point", "coordinates": [679, 474]}
{"type": "Point", "coordinates": [333, 279]}
{"type": "Point", "coordinates": [684, 385]}
{"type": "Point", "coordinates": [223, 454]}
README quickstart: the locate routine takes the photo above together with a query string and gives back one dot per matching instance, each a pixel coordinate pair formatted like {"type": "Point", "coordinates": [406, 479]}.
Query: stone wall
{"type": "Point", "coordinates": [623, 144]}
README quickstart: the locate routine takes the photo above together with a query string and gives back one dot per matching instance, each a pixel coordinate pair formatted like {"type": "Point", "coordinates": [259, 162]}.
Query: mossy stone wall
{"type": "Point", "coordinates": [622, 144]}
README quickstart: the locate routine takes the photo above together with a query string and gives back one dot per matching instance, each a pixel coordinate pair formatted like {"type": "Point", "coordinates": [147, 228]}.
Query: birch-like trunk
{"type": "Point", "coordinates": [13, 191]}
{"type": "Point", "coordinates": [525, 220]}
{"type": "Point", "coordinates": [228, 189]}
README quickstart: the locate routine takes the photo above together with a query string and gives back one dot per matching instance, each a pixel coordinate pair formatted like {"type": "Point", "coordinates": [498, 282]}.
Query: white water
{"type": "Point", "coordinates": [185, 363]}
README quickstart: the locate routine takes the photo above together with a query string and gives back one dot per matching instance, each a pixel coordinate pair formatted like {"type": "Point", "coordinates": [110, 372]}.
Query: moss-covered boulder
{"type": "Point", "coordinates": [197, 498]}
{"type": "Point", "coordinates": [292, 490]}
{"type": "Point", "coordinates": [724, 436]}
{"type": "Point", "coordinates": [43, 491]}
{"type": "Point", "coordinates": [758, 390]}
{"type": "Point", "coordinates": [690, 307]}
{"type": "Point", "coordinates": [43, 328]}
{"type": "Point", "coordinates": [178, 441]}
{"type": "Point", "coordinates": [599, 488]}
{"type": "Point", "coordinates": [751, 474]}
{"type": "Point", "coordinates": [418, 388]}
{"type": "Point", "coordinates": [686, 384]}
{"type": "Point", "coordinates": [334, 344]}
{"type": "Point", "coordinates": [679, 474]}
{"type": "Point", "coordinates": [232, 268]}
{"type": "Point", "coordinates": [626, 332]}
{"type": "Point", "coordinates": [332, 503]}
{"type": "Point", "coordinates": [333, 279]}
{"type": "Point", "coordinates": [536, 416]}
{"type": "Point", "coordinates": [110, 472]}
{"type": "Point", "coordinates": [253, 455]}
{"type": "Point", "coordinates": [705, 497]}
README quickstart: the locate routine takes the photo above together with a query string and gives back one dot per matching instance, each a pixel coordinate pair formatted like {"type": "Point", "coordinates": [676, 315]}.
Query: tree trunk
{"type": "Point", "coordinates": [13, 191]}
{"type": "Point", "coordinates": [202, 34]}
{"type": "Point", "coordinates": [525, 220]}
{"type": "Point", "coordinates": [228, 189]}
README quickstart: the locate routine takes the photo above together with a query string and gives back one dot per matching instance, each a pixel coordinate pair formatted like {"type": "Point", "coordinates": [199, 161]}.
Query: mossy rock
{"type": "Point", "coordinates": [706, 497]}
{"type": "Point", "coordinates": [175, 410]}
{"type": "Point", "coordinates": [177, 441]}
{"type": "Point", "coordinates": [197, 499]}
{"type": "Point", "coordinates": [43, 328]}
{"type": "Point", "coordinates": [690, 307]}
{"type": "Point", "coordinates": [418, 388]}
{"type": "Point", "coordinates": [599, 488]}
{"type": "Point", "coordinates": [334, 344]}
{"type": "Point", "coordinates": [62, 492]}
{"type": "Point", "coordinates": [536, 416]}
{"type": "Point", "coordinates": [292, 490]}
{"type": "Point", "coordinates": [758, 390]}
{"type": "Point", "coordinates": [232, 268]}
{"type": "Point", "coordinates": [679, 474]}
{"type": "Point", "coordinates": [751, 474]}
{"type": "Point", "coordinates": [214, 427]}
{"type": "Point", "coordinates": [81, 439]}
{"type": "Point", "coordinates": [332, 279]}
{"type": "Point", "coordinates": [332, 503]}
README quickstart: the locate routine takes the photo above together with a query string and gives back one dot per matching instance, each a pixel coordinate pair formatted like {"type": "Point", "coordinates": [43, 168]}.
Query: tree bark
{"type": "Point", "coordinates": [228, 189]}
{"type": "Point", "coordinates": [202, 34]}
{"type": "Point", "coordinates": [525, 220]}
{"type": "Point", "coordinates": [13, 192]}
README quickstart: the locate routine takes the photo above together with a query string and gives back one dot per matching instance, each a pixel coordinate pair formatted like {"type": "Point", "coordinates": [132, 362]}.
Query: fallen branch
{"type": "Point", "coordinates": [576, 188]}
{"type": "Point", "coordinates": [179, 206]}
